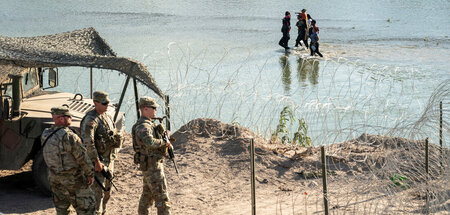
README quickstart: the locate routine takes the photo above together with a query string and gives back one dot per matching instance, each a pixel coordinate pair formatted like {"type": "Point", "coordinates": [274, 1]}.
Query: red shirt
{"type": "Point", "coordinates": [316, 28]}
{"type": "Point", "coordinates": [302, 16]}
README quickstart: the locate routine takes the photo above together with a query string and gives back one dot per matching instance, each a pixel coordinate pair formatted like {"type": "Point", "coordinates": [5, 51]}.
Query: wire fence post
{"type": "Point", "coordinates": [441, 151]}
{"type": "Point", "coordinates": [324, 179]}
{"type": "Point", "coordinates": [427, 204]}
{"type": "Point", "coordinates": [252, 166]}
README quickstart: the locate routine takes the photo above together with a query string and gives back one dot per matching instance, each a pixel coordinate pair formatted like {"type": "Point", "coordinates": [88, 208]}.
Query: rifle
{"type": "Point", "coordinates": [170, 150]}
{"type": "Point", "coordinates": [108, 175]}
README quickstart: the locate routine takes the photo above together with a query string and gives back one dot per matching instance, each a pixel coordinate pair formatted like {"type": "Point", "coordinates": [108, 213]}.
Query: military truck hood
{"type": "Point", "coordinates": [39, 106]}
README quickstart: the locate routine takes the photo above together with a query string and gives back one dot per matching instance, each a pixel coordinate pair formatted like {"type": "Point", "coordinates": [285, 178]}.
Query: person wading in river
{"type": "Point", "coordinates": [285, 29]}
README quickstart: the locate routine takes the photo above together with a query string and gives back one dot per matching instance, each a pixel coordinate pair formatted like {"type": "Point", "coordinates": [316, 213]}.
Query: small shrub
{"type": "Point", "coordinates": [282, 130]}
{"type": "Point", "coordinates": [400, 181]}
{"type": "Point", "coordinates": [300, 137]}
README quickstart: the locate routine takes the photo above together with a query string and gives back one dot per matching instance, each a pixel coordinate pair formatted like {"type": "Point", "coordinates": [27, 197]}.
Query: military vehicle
{"type": "Point", "coordinates": [29, 68]}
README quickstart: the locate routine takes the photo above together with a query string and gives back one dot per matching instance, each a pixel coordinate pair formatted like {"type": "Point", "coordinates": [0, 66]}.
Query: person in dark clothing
{"type": "Point", "coordinates": [314, 46]}
{"type": "Point", "coordinates": [301, 24]}
{"type": "Point", "coordinates": [285, 29]}
{"type": "Point", "coordinates": [313, 26]}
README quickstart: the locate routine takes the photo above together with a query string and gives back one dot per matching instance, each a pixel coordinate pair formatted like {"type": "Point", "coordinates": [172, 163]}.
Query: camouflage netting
{"type": "Point", "coordinates": [83, 48]}
{"type": "Point", "coordinates": [9, 69]}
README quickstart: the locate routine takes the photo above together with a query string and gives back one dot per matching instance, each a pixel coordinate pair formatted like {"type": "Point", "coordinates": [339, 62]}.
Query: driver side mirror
{"type": "Point", "coordinates": [53, 77]}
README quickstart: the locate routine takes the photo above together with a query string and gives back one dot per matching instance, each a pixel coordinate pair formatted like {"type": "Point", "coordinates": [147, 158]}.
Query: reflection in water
{"type": "Point", "coordinates": [286, 73]}
{"type": "Point", "coordinates": [308, 68]}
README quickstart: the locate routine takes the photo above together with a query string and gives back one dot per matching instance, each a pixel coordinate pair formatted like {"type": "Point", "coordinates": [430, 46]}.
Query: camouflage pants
{"type": "Point", "coordinates": [72, 191]}
{"type": "Point", "coordinates": [101, 196]}
{"type": "Point", "coordinates": [154, 190]}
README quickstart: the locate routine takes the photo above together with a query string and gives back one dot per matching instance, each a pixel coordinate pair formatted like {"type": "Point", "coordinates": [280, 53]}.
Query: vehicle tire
{"type": "Point", "coordinates": [40, 174]}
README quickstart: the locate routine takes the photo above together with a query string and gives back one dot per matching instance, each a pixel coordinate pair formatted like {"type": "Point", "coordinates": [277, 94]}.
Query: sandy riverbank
{"type": "Point", "coordinates": [213, 159]}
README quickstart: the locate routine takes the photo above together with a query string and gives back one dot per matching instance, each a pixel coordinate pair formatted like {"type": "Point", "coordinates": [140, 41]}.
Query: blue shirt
{"type": "Point", "coordinates": [314, 37]}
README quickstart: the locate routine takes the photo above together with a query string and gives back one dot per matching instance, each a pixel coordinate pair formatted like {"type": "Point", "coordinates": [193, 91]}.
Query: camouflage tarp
{"type": "Point", "coordinates": [83, 48]}
{"type": "Point", "coordinates": [9, 69]}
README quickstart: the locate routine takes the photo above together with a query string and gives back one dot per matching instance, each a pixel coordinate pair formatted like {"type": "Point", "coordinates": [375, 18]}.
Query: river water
{"type": "Point", "coordinates": [220, 59]}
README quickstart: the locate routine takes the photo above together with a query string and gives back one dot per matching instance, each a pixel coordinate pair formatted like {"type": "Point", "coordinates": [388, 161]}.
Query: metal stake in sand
{"type": "Point", "coordinates": [427, 205]}
{"type": "Point", "coordinates": [252, 166]}
{"type": "Point", "coordinates": [324, 179]}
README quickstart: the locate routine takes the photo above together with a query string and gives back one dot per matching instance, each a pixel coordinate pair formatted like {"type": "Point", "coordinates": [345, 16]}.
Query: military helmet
{"type": "Point", "coordinates": [61, 110]}
{"type": "Point", "coordinates": [148, 101]}
{"type": "Point", "coordinates": [101, 96]}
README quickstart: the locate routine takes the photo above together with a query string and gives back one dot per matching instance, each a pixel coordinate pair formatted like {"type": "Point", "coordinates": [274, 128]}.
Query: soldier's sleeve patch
{"type": "Point", "coordinates": [90, 123]}
{"type": "Point", "coordinates": [144, 129]}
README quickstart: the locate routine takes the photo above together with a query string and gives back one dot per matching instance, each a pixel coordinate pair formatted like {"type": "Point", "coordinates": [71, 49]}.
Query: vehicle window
{"type": "Point", "coordinates": [29, 80]}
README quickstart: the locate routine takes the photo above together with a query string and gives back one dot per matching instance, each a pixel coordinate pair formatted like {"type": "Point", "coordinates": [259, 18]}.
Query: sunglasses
{"type": "Point", "coordinates": [106, 103]}
{"type": "Point", "coordinates": [151, 107]}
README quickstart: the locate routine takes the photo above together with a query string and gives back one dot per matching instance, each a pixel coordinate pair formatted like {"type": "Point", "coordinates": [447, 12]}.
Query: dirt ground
{"type": "Point", "coordinates": [214, 177]}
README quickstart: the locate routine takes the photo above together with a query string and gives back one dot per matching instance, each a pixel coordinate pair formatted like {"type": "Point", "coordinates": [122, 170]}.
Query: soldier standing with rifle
{"type": "Point", "coordinates": [150, 150]}
{"type": "Point", "coordinates": [71, 172]}
{"type": "Point", "coordinates": [101, 139]}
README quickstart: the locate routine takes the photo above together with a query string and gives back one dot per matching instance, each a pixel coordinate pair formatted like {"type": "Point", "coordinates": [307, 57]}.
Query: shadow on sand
{"type": "Point", "coordinates": [19, 194]}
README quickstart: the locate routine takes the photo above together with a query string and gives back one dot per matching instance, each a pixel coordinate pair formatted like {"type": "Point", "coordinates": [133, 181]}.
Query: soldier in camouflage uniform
{"type": "Point", "coordinates": [71, 172]}
{"type": "Point", "coordinates": [150, 150]}
{"type": "Point", "coordinates": [102, 141]}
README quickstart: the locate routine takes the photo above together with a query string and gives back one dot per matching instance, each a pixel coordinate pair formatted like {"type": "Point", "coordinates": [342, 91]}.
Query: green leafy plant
{"type": "Point", "coordinates": [301, 136]}
{"type": "Point", "coordinates": [282, 131]}
{"type": "Point", "coordinates": [400, 181]}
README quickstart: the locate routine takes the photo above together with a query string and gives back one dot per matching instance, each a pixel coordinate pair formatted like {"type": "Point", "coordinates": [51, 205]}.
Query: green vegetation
{"type": "Point", "coordinates": [300, 137]}
{"type": "Point", "coordinates": [235, 123]}
{"type": "Point", "coordinates": [400, 181]}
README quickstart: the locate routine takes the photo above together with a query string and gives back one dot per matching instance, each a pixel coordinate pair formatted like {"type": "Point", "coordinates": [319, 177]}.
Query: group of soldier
{"type": "Point", "coordinates": [77, 163]}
